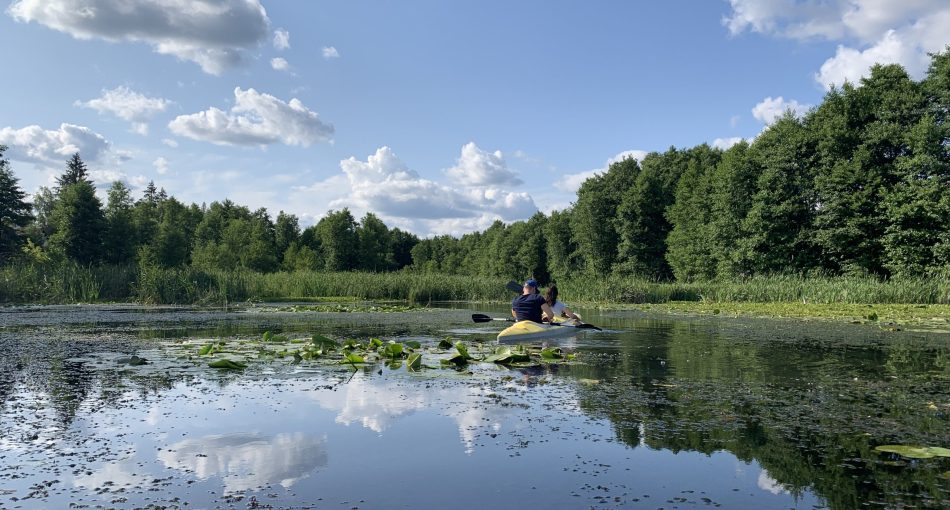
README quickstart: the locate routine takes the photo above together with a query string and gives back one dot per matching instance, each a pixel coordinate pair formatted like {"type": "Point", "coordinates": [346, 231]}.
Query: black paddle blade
{"type": "Point", "coordinates": [477, 317]}
{"type": "Point", "coordinates": [514, 286]}
{"type": "Point", "coordinates": [588, 326]}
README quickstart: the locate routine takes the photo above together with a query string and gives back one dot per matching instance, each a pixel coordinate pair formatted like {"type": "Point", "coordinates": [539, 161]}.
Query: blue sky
{"type": "Point", "coordinates": [438, 116]}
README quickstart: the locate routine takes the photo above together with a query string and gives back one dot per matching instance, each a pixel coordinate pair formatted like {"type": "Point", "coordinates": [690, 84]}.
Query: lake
{"type": "Point", "coordinates": [656, 411]}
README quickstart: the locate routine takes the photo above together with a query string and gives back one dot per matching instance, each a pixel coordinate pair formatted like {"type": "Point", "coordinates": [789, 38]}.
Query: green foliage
{"type": "Point", "coordinates": [75, 173]}
{"type": "Point", "coordinates": [119, 238]}
{"type": "Point", "coordinates": [560, 248]}
{"type": "Point", "coordinates": [643, 224]}
{"type": "Point", "coordinates": [80, 224]}
{"type": "Point", "coordinates": [733, 184]}
{"type": "Point", "coordinates": [594, 219]}
{"type": "Point", "coordinates": [690, 252]}
{"type": "Point", "coordinates": [778, 228]}
{"type": "Point", "coordinates": [861, 133]}
{"type": "Point", "coordinates": [917, 209]}
{"type": "Point", "coordinates": [286, 232]}
{"type": "Point", "coordinates": [14, 213]}
{"type": "Point", "coordinates": [375, 244]}
{"type": "Point", "coordinates": [339, 240]}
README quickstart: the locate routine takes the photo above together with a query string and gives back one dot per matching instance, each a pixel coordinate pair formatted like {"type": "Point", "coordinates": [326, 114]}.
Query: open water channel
{"type": "Point", "coordinates": [655, 412]}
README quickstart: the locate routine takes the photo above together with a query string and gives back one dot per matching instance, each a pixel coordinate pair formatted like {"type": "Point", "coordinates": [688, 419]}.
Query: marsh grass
{"type": "Point", "coordinates": [791, 289]}
{"type": "Point", "coordinates": [196, 286]}
{"type": "Point", "coordinates": [73, 283]}
{"type": "Point", "coordinates": [65, 283]}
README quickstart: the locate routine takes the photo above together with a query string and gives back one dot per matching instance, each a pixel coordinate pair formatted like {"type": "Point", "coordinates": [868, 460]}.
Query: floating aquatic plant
{"type": "Point", "coordinates": [227, 364]}
{"type": "Point", "coordinates": [914, 452]}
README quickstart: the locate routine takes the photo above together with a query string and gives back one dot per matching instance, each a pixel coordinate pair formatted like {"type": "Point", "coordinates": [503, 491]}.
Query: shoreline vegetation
{"type": "Point", "coordinates": [906, 301]}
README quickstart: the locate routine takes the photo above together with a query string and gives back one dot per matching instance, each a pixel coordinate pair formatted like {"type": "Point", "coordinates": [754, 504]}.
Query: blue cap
{"type": "Point", "coordinates": [531, 283]}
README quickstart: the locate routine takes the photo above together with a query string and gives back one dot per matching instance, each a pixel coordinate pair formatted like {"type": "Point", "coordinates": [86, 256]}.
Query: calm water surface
{"type": "Point", "coordinates": [655, 412]}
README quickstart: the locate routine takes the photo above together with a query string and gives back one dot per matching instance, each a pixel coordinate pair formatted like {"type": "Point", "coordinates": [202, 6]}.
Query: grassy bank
{"type": "Point", "coordinates": [71, 283]}
{"type": "Point", "coordinates": [772, 289]}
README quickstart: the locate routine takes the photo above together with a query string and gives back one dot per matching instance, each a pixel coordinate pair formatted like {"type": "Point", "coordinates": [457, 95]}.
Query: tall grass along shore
{"type": "Point", "coordinates": [72, 283]}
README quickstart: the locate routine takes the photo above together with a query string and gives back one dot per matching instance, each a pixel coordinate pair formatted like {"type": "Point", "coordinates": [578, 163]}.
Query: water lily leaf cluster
{"type": "Point", "coordinates": [237, 354]}
{"type": "Point", "coordinates": [914, 452]}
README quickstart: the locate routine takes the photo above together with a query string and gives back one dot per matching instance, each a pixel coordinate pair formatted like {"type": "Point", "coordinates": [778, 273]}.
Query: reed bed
{"type": "Point", "coordinates": [195, 286]}
{"type": "Point", "coordinates": [73, 283]}
{"type": "Point", "coordinates": [66, 283]}
{"type": "Point", "coordinates": [762, 289]}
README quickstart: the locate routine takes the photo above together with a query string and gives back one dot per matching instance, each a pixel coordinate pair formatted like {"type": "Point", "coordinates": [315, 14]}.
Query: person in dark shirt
{"type": "Point", "coordinates": [529, 305]}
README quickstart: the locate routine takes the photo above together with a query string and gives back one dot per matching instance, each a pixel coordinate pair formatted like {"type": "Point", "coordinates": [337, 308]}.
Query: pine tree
{"type": "Point", "coordinates": [14, 212]}
{"type": "Point", "coordinates": [119, 240]}
{"type": "Point", "coordinates": [79, 223]}
{"type": "Point", "coordinates": [75, 172]}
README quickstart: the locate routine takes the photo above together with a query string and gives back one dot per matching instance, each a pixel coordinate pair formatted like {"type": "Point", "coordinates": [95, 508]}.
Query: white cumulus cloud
{"type": "Point", "coordinates": [161, 165]}
{"type": "Point", "coordinates": [770, 109]}
{"type": "Point", "coordinates": [127, 105]}
{"type": "Point", "coordinates": [330, 52]}
{"type": "Point", "coordinates": [476, 167]}
{"type": "Point", "coordinates": [215, 34]}
{"type": "Point", "coordinates": [385, 185]}
{"type": "Point", "coordinates": [851, 65]}
{"type": "Point", "coordinates": [280, 64]}
{"type": "Point", "coordinates": [870, 31]}
{"type": "Point", "coordinates": [255, 119]}
{"type": "Point", "coordinates": [34, 144]}
{"type": "Point", "coordinates": [281, 39]}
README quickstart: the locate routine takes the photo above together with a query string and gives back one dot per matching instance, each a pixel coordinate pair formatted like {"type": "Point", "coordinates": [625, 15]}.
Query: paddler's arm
{"type": "Point", "coordinates": [569, 313]}
{"type": "Point", "coordinates": [546, 308]}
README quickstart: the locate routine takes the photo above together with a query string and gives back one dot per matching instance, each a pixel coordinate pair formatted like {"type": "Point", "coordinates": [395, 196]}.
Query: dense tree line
{"type": "Point", "coordinates": [71, 223]}
{"type": "Point", "coordinates": [858, 185]}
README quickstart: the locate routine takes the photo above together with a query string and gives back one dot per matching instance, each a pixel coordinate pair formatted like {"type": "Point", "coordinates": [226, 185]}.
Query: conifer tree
{"type": "Point", "coordinates": [76, 172]}
{"type": "Point", "coordinates": [14, 212]}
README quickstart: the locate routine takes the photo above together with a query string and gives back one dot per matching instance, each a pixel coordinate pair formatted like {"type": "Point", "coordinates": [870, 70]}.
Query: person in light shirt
{"type": "Point", "coordinates": [558, 308]}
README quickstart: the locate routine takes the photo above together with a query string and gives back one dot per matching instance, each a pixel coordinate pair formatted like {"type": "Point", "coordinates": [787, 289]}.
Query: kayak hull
{"type": "Point", "coordinates": [527, 330]}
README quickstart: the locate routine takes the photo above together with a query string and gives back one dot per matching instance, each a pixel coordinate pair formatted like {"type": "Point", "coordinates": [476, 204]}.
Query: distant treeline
{"type": "Point", "coordinates": [70, 224]}
{"type": "Point", "coordinates": [858, 186]}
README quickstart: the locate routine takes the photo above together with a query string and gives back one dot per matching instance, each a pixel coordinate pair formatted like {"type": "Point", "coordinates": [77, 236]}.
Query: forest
{"type": "Point", "coordinates": [859, 186]}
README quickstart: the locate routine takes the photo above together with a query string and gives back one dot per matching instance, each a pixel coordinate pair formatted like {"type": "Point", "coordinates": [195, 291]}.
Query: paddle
{"type": "Point", "coordinates": [477, 317]}
{"type": "Point", "coordinates": [514, 286]}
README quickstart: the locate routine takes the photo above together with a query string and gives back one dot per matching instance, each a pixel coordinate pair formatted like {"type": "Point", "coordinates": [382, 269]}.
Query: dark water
{"type": "Point", "coordinates": [656, 412]}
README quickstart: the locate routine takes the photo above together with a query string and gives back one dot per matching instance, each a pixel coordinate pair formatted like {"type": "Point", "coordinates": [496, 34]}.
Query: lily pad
{"type": "Point", "coordinates": [915, 452]}
{"type": "Point", "coordinates": [414, 362]}
{"type": "Point", "coordinates": [323, 343]}
{"type": "Point", "coordinates": [504, 355]}
{"type": "Point", "coordinates": [227, 364]}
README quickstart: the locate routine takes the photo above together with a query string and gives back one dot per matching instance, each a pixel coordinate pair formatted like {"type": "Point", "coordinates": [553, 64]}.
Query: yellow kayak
{"type": "Point", "coordinates": [528, 330]}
